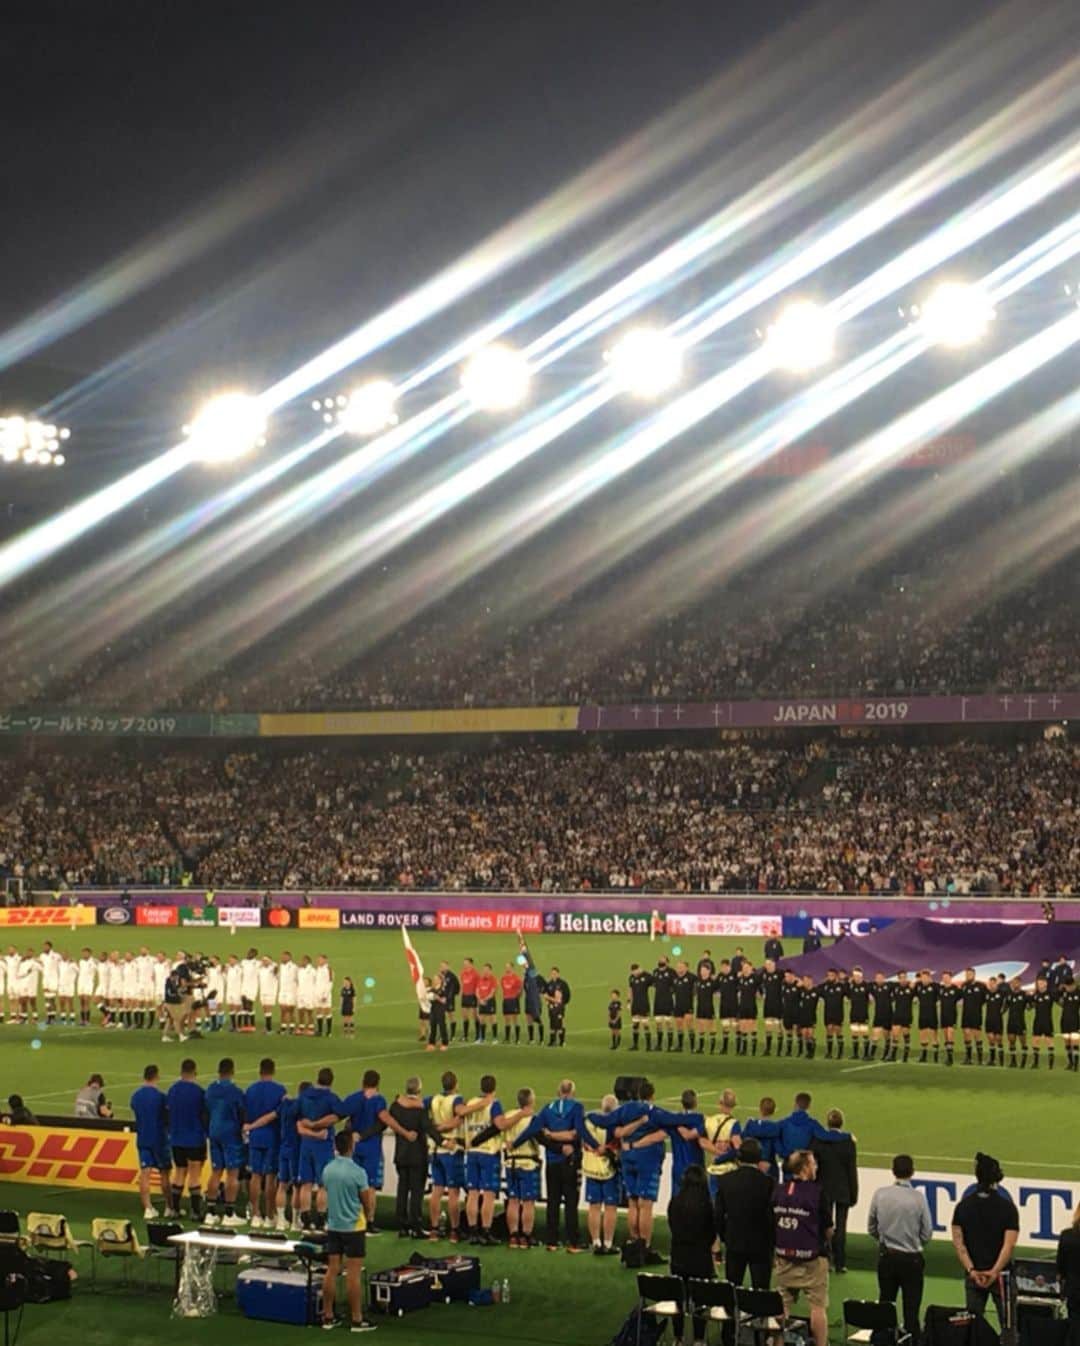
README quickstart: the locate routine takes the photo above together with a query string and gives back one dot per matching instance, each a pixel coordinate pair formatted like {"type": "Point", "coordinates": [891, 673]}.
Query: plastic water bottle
{"type": "Point", "coordinates": [496, 1291]}
{"type": "Point", "coordinates": [506, 1291]}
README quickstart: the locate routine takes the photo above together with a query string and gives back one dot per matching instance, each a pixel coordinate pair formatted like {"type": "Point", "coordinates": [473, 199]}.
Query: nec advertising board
{"type": "Point", "coordinates": [388, 920]}
{"type": "Point", "coordinates": [832, 927]}
{"type": "Point", "coordinates": [55, 918]}
{"type": "Point", "coordinates": [490, 922]}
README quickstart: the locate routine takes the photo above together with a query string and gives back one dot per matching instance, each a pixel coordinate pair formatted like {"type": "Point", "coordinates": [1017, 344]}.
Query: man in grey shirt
{"type": "Point", "coordinates": [900, 1221]}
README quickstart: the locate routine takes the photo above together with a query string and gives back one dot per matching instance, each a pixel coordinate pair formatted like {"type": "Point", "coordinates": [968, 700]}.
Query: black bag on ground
{"type": "Point", "coordinates": [945, 1326]}
{"type": "Point", "coordinates": [634, 1253]}
{"type": "Point", "coordinates": [46, 1281]}
{"type": "Point", "coordinates": [640, 1329]}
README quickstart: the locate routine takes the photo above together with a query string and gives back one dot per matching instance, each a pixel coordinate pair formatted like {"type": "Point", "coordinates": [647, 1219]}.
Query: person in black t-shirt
{"type": "Point", "coordinates": [614, 1017]}
{"type": "Point", "coordinates": [746, 1033]}
{"type": "Point", "coordinates": [985, 1227]}
{"type": "Point", "coordinates": [808, 1003]}
{"type": "Point", "coordinates": [683, 989]}
{"type": "Point", "coordinates": [638, 984]}
{"type": "Point", "coordinates": [857, 991]}
{"type": "Point", "coordinates": [790, 997]}
{"type": "Point", "coordinates": [705, 961]}
{"type": "Point", "coordinates": [1068, 1262]}
{"type": "Point", "coordinates": [972, 1000]}
{"type": "Point", "coordinates": [881, 995]}
{"type": "Point", "coordinates": [996, 990]}
{"type": "Point", "coordinates": [1069, 1000]}
{"type": "Point", "coordinates": [774, 950]}
{"type": "Point", "coordinates": [831, 991]}
{"type": "Point", "coordinates": [1042, 1023]}
{"type": "Point", "coordinates": [663, 978]}
{"type": "Point", "coordinates": [704, 1007]}
{"type": "Point", "coordinates": [903, 995]}
{"type": "Point", "coordinates": [727, 986]}
{"type": "Point", "coordinates": [771, 984]}
{"type": "Point", "coordinates": [926, 997]}
{"type": "Point", "coordinates": [948, 1001]}
{"type": "Point", "coordinates": [1016, 1007]}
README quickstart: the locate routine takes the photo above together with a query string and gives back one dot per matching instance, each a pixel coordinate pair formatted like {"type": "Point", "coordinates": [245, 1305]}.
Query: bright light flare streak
{"type": "Point", "coordinates": [645, 362]}
{"type": "Point", "coordinates": [802, 338]}
{"type": "Point", "coordinates": [370, 409]}
{"type": "Point", "coordinates": [228, 426]}
{"type": "Point", "coordinates": [955, 315]}
{"type": "Point", "coordinates": [496, 378]}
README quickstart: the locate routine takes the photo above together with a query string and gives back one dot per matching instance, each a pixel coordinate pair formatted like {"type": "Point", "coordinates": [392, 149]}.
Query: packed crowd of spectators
{"type": "Point", "coordinates": [774, 635]}
{"type": "Point", "coordinates": [821, 815]}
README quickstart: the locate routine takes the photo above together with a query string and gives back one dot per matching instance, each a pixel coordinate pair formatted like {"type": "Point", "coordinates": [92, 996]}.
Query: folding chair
{"type": "Point", "coordinates": [866, 1318]}
{"type": "Point", "coordinates": [761, 1312]}
{"type": "Point", "coordinates": [51, 1234]}
{"type": "Point", "coordinates": [116, 1238]}
{"type": "Point", "coordinates": [159, 1248]}
{"type": "Point", "coordinates": [10, 1230]}
{"type": "Point", "coordinates": [662, 1296]}
{"type": "Point", "coordinates": [712, 1300]}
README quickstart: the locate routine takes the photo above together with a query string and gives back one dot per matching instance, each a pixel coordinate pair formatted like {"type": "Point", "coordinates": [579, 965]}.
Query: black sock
{"type": "Point", "coordinates": [197, 1207]}
{"type": "Point", "coordinates": [176, 1195]}
{"type": "Point", "coordinates": [517, 1032]}
{"type": "Point", "coordinates": [635, 1037]}
{"type": "Point", "coordinates": [268, 1022]}
{"type": "Point", "coordinates": [712, 1044]}
{"type": "Point", "coordinates": [530, 1027]}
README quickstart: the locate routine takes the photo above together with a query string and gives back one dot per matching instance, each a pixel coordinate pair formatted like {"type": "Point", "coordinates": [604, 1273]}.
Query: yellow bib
{"type": "Point", "coordinates": [594, 1164]}
{"type": "Point", "coordinates": [718, 1128]}
{"type": "Point", "coordinates": [525, 1156]}
{"type": "Point", "coordinates": [475, 1123]}
{"type": "Point", "coordinates": [442, 1110]}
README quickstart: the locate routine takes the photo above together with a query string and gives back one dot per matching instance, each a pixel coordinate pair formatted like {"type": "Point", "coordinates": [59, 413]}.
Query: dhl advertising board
{"type": "Point", "coordinates": [59, 1156]}
{"type": "Point", "coordinates": [53, 918]}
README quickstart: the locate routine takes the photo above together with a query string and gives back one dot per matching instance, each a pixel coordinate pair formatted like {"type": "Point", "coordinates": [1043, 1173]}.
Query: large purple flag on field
{"type": "Point", "coordinates": [990, 947]}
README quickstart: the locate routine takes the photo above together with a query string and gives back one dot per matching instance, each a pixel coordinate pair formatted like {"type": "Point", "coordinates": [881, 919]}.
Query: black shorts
{"type": "Point", "coordinates": [468, 1002]}
{"type": "Point", "coordinates": [188, 1154]}
{"type": "Point", "coordinates": [451, 1004]}
{"type": "Point", "coordinates": [511, 1006]}
{"type": "Point", "coordinates": [486, 1007]}
{"type": "Point", "coordinates": [615, 1025]}
{"type": "Point", "coordinates": [928, 1024]}
{"type": "Point", "coordinates": [345, 1243]}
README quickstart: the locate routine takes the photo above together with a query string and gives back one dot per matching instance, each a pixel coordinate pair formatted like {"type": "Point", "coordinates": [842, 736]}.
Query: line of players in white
{"type": "Point", "coordinates": [128, 990]}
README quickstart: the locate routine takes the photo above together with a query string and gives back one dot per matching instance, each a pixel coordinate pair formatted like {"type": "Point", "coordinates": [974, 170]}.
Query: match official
{"type": "Point", "coordinates": [900, 1220]}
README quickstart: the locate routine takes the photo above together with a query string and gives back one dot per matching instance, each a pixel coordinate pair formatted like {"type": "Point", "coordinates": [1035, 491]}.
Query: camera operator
{"type": "Point", "coordinates": [188, 975]}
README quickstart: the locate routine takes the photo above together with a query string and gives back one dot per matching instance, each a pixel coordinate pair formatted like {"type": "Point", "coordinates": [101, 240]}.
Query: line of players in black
{"type": "Point", "coordinates": [733, 1006]}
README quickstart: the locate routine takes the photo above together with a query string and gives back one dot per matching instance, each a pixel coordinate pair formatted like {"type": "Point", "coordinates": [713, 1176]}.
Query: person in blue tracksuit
{"type": "Point", "coordinates": [534, 989]}
{"type": "Point", "coordinates": [228, 1153]}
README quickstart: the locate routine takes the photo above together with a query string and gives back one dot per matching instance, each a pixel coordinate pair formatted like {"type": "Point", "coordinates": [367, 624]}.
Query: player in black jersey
{"type": "Point", "coordinates": [972, 1000]}
{"type": "Point", "coordinates": [790, 995]}
{"type": "Point", "coordinates": [727, 985]}
{"type": "Point", "coordinates": [903, 995]}
{"type": "Point", "coordinates": [1016, 1007]}
{"type": "Point", "coordinates": [663, 978]}
{"type": "Point", "coordinates": [706, 961]}
{"type": "Point", "coordinates": [948, 1000]}
{"type": "Point", "coordinates": [881, 995]}
{"type": "Point", "coordinates": [926, 997]}
{"type": "Point", "coordinates": [705, 1007]}
{"type": "Point", "coordinates": [746, 1031]}
{"type": "Point", "coordinates": [771, 982]}
{"type": "Point", "coordinates": [614, 1018]}
{"type": "Point", "coordinates": [685, 982]}
{"type": "Point", "coordinates": [857, 991]}
{"type": "Point", "coordinates": [808, 1003]}
{"type": "Point", "coordinates": [638, 984]}
{"type": "Point", "coordinates": [831, 991]}
{"type": "Point", "coordinates": [1069, 999]}
{"type": "Point", "coordinates": [996, 991]}
{"type": "Point", "coordinates": [1042, 1023]}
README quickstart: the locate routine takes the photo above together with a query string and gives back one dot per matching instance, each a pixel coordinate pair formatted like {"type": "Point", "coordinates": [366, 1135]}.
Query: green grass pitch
{"type": "Point", "coordinates": [941, 1116]}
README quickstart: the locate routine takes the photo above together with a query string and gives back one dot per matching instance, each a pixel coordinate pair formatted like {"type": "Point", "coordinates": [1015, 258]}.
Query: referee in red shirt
{"type": "Point", "coordinates": [511, 985]}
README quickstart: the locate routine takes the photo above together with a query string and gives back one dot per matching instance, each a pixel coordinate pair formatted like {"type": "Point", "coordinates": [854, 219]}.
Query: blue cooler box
{"type": "Point", "coordinates": [278, 1296]}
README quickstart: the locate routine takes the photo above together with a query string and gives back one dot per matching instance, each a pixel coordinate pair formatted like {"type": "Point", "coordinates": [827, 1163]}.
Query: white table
{"type": "Point", "coordinates": [201, 1270]}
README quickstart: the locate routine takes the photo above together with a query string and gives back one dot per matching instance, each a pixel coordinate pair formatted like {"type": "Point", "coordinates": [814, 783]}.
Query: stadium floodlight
{"type": "Point", "coordinates": [369, 409]}
{"type": "Point", "coordinates": [496, 378]}
{"type": "Point", "coordinates": [228, 426]}
{"type": "Point", "coordinates": [645, 362]}
{"type": "Point", "coordinates": [802, 338]}
{"type": "Point", "coordinates": [955, 315]}
{"type": "Point", "coordinates": [25, 440]}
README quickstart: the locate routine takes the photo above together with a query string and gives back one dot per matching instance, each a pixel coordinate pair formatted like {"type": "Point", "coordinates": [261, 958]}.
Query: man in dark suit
{"type": "Point", "coordinates": [838, 1174]}
{"type": "Point", "coordinates": [745, 1224]}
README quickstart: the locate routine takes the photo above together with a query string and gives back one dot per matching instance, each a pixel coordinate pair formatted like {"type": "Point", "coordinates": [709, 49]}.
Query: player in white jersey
{"type": "Point", "coordinates": [11, 967]}
{"type": "Point", "coordinates": [305, 997]}
{"type": "Point", "coordinates": [84, 985]}
{"type": "Point", "coordinates": [234, 997]}
{"type": "Point", "coordinates": [29, 976]}
{"type": "Point", "coordinates": [324, 996]}
{"type": "Point", "coordinates": [145, 1015]}
{"type": "Point", "coordinates": [214, 1015]}
{"type": "Point", "coordinates": [287, 992]}
{"type": "Point", "coordinates": [65, 987]}
{"type": "Point", "coordinates": [131, 990]}
{"type": "Point", "coordinates": [249, 989]}
{"type": "Point", "coordinates": [268, 991]}
{"type": "Point", "coordinates": [3, 986]}
{"type": "Point", "coordinates": [114, 976]}
{"type": "Point", "coordinates": [50, 978]}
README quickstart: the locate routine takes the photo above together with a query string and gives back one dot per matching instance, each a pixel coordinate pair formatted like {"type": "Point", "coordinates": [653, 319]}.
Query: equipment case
{"type": "Point", "coordinates": [452, 1277]}
{"type": "Point", "coordinates": [278, 1296]}
{"type": "Point", "coordinates": [401, 1290]}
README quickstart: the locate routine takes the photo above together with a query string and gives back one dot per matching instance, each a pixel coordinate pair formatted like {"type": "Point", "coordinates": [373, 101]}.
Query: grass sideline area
{"type": "Point", "coordinates": [940, 1115]}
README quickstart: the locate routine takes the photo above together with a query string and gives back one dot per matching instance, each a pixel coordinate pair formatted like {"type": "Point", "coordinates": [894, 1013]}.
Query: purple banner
{"type": "Point", "coordinates": [990, 947]}
{"type": "Point", "coordinates": [993, 708]}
